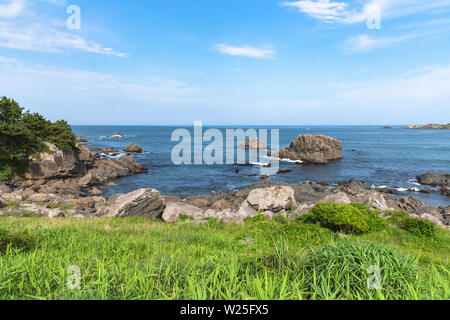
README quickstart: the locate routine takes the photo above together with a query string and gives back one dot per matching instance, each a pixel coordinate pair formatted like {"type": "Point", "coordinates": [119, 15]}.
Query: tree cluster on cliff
{"type": "Point", "coordinates": [22, 134]}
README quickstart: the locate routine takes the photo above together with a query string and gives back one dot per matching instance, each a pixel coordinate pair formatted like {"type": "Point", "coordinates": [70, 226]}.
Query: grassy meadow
{"type": "Point", "coordinates": [135, 258]}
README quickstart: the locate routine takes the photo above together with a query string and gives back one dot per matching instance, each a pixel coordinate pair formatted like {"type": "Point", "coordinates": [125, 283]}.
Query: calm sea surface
{"type": "Point", "coordinates": [383, 157]}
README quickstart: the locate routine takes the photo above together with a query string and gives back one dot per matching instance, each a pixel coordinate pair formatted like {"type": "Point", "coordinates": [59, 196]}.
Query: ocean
{"type": "Point", "coordinates": [384, 157]}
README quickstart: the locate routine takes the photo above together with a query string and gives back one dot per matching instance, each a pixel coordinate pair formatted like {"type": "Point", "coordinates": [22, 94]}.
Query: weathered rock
{"type": "Point", "coordinates": [87, 205]}
{"type": "Point", "coordinates": [316, 149]}
{"type": "Point", "coordinates": [246, 211]}
{"type": "Point", "coordinates": [301, 209]}
{"type": "Point", "coordinates": [198, 202]}
{"type": "Point", "coordinates": [146, 203]}
{"type": "Point", "coordinates": [445, 190]}
{"type": "Point", "coordinates": [3, 205]}
{"type": "Point", "coordinates": [57, 164]}
{"type": "Point", "coordinates": [46, 198]}
{"type": "Point", "coordinates": [4, 189]}
{"type": "Point", "coordinates": [434, 179]}
{"type": "Point", "coordinates": [109, 150]}
{"type": "Point", "coordinates": [168, 199]}
{"type": "Point", "coordinates": [111, 169]}
{"type": "Point", "coordinates": [90, 180]}
{"type": "Point", "coordinates": [254, 144]}
{"type": "Point", "coordinates": [273, 199]}
{"type": "Point", "coordinates": [221, 205]}
{"type": "Point", "coordinates": [117, 135]}
{"type": "Point", "coordinates": [56, 213]}
{"type": "Point", "coordinates": [337, 197]}
{"type": "Point", "coordinates": [133, 148]}
{"type": "Point", "coordinates": [361, 192]}
{"type": "Point", "coordinates": [173, 211]}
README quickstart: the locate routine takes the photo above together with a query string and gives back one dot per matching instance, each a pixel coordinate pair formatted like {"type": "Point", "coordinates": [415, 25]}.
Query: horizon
{"type": "Point", "coordinates": [315, 62]}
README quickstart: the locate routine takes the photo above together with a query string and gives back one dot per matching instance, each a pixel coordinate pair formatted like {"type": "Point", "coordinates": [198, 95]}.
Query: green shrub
{"type": "Point", "coordinates": [22, 134]}
{"type": "Point", "coordinates": [344, 271]}
{"type": "Point", "coordinates": [338, 217]}
{"type": "Point", "coordinates": [419, 227]}
{"type": "Point", "coordinates": [376, 223]}
{"type": "Point", "coordinates": [416, 226]}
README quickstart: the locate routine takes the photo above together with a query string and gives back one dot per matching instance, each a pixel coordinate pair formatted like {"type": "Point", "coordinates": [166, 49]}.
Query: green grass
{"type": "Point", "coordinates": [137, 258]}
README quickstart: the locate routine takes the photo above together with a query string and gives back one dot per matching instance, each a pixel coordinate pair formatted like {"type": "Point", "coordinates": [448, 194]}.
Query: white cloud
{"type": "Point", "coordinates": [342, 12]}
{"type": "Point", "coordinates": [37, 37]}
{"type": "Point", "coordinates": [246, 51]}
{"type": "Point", "coordinates": [16, 74]}
{"type": "Point", "coordinates": [12, 8]}
{"type": "Point", "coordinates": [34, 34]}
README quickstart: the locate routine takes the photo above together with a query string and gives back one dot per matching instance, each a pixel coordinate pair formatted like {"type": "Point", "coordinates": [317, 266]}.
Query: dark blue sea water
{"type": "Point", "coordinates": [384, 157]}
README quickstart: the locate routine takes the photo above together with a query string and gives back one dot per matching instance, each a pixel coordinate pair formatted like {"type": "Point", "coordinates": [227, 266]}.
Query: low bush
{"type": "Point", "coordinates": [419, 227]}
{"type": "Point", "coordinates": [338, 217]}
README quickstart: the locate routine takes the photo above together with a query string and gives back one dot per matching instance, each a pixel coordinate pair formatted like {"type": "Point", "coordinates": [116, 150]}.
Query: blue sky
{"type": "Point", "coordinates": [268, 62]}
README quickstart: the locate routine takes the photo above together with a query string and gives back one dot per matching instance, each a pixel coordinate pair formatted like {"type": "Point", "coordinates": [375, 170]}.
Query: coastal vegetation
{"type": "Point", "coordinates": [139, 258]}
{"type": "Point", "coordinates": [22, 134]}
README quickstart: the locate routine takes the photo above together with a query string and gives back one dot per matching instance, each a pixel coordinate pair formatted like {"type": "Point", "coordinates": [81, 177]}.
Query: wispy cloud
{"type": "Point", "coordinates": [37, 37]}
{"type": "Point", "coordinates": [342, 12]}
{"type": "Point", "coordinates": [31, 34]}
{"type": "Point", "coordinates": [15, 74]}
{"type": "Point", "coordinates": [11, 8]}
{"type": "Point", "coordinates": [245, 51]}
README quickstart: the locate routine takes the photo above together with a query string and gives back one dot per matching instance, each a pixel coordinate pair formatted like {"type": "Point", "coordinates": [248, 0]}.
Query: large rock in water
{"type": "Point", "coordinates": [434, 179]}
{"type": "Point", "coordinates": [117, 168]}
{"type": "Point", "coordinates": [316, 149]}
{"type": "Point", "coordinates": [133, 148]}
{"type": "Point", "coordinates": [146, 203]}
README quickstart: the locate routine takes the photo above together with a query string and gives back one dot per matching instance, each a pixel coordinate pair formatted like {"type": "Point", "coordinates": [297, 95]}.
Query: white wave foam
{"type": "Point", "coordinates": [261, 164]}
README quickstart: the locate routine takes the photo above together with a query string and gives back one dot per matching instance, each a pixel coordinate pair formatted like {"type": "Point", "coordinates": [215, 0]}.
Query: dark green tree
{"type": "Point", "coordinates": [22, 134]}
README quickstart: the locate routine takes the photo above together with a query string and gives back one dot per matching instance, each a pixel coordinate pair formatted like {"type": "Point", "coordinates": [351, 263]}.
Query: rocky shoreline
{"type": "Point", "coordinates": [71, 184]}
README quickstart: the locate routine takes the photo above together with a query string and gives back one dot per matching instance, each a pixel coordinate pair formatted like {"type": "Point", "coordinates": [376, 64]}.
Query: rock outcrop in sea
{"type": "Point", "coordinates": [253, 144]}
{"type": "Point", "coordinates": [436, 179]}
{"type": "Point", "coordinates": [133, 148]}
{"type": "Point", "coordinates": [431, 126]}
{"type": "Point", "coordinates": [313, 149]}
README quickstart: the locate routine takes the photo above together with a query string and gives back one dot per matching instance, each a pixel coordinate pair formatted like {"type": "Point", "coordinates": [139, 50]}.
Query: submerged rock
{"type": "Point", "coordinates": [311, 149]}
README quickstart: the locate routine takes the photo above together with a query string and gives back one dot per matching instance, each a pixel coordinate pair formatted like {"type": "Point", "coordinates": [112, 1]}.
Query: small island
{"type": "Point", "coordinates": [431, 126]}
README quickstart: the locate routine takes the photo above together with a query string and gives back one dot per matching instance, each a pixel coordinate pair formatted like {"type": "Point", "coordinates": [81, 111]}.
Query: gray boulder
{"type": "Point", "coordinates": [173, 211]}
{"type": "Point", "coordinates": [273, 199]}
{"type": "Point", "coordinates": [146, 203]}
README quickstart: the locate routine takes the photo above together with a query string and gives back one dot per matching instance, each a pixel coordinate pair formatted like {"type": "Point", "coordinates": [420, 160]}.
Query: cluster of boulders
{"type": "Point", "coordinates": [436, 179]}
{"type": "Point", "coordinates": [68, 178]}
{"type": "Point", "coordinates": [313, 149]}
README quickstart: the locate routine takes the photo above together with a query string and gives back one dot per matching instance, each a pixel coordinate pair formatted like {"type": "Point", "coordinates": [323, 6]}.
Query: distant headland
{"type": "Point", "coordinates": [430, 126]}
